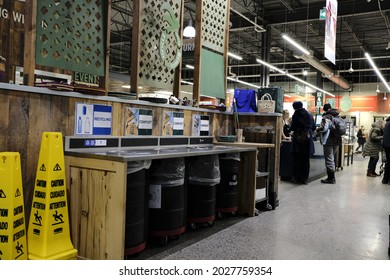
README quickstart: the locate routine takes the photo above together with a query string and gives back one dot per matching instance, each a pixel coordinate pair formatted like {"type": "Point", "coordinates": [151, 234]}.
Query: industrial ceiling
{"type": "Point", "coordinates": [256, 32]}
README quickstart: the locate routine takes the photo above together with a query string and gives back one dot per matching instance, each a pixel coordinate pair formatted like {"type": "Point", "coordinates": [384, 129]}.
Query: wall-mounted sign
{"type": "Point", "coordinates": [200, 125]}
{"type": "Point", "coordinates": [93, 119]}
{"type": "Point", "coordinates": [173, 123]}
{"type": "Point", "coordinates": [138, 121]}
{"type": "Point", "coordinates": [319, 99]}
{"type": "Point", "coordinates": [86, 78]}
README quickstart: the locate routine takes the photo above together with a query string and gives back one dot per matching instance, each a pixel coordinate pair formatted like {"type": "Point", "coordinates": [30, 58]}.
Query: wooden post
{"type": "Point", "coordinates": [197, 51]}
{"type": "Point", "coordinates": [29, 42]}
{"type": "Point", "coordinates": [225, 54]}
{"type": "Point", "coordinates": [135, 48]}
{"type": "Point", "coordinates": [177, 80]}
{"type": "Point", "coordinates": [107, 47]}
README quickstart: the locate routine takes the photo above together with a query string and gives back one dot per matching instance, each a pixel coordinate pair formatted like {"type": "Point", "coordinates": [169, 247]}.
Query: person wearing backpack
{"type": "Point", "coordinates": [373, 147]}
{"type": "Point", "coordinates": [332, 127]}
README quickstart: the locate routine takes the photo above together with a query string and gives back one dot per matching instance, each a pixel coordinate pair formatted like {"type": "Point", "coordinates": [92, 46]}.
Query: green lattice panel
{"type": "Point", "coordinates": [214, 24]}
{"type": "Point", "coordinates": [71, 35]}
{"type": "Point", "coordinates": [156, 72]}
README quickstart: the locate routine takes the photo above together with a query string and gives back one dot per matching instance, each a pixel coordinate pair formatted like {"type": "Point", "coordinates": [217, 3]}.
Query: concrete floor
{"type": "Point", "coordinates": [345, 221]}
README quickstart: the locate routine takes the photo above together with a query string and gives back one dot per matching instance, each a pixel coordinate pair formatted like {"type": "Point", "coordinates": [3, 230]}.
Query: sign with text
{"type": "Point", "coordinates": [173, 123]}
{"type": "Point", "coordinates": [138, 121]}
{"type": "Point", "coordinates": [93, 119]}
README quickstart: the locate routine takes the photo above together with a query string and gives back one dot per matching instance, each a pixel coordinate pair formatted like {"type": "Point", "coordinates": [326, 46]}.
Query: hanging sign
{"type": "Point", "coordinates": [330, 30]}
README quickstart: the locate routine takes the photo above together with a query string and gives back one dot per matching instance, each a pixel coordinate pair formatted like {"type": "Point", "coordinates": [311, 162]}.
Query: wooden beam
{"type": "Point", "coordinates": [135, 48]}
{"type": "Point", "coordinates": [197, 51]}
{"type": "Point", "coordinates": [29, 42]}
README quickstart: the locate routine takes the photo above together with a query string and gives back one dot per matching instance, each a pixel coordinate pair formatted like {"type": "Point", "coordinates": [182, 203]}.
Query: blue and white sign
{"type": "Point", "coordinates": [93, 119]}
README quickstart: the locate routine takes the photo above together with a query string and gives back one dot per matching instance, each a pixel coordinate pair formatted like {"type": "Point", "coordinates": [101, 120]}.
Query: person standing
{"type": "Point", "coordinates": [386, 146]}
{"type": "Point", "coordinates": [302, 145]}
{"type": "Point", "coordinates": [331, 143]}
{"type": "Point", "coordinates": [286, 125]}
{"type": "Point", "coordinates": [361, 139]}
{"type": "Point", "coordinates": [373, 147]}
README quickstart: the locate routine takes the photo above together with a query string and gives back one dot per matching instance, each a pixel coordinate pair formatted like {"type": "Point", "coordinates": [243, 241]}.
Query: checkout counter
{"type": "Point", "coordinates": [317, 162]}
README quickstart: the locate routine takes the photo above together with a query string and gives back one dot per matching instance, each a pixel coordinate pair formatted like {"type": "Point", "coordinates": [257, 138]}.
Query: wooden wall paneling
{"type": "Point", "coordinates": [247, 178]}
{"type": "Point", "coordinates": [188, 122]}
{"type": "Point", "coordinates": [118, 122]}
{"type": "Point", "coordinates": [4, 121]}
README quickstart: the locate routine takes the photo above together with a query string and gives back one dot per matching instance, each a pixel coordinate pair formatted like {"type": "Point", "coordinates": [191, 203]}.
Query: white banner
{"type": "Point", "coordinates": [330, 30]}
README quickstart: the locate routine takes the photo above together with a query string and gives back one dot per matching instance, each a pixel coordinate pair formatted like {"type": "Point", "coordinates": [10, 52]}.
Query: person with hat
{"type": "Point", "coordinates": [302, 146]}
{"type": "Point", "coordinates": [330, 141]}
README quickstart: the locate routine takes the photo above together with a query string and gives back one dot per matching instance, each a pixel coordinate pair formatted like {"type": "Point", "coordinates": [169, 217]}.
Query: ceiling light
{"type": "Point", "coordinates": [304, 72]}
{"type": "Point", "coordinates": [377, 89]}
{"type": "Point", "coordinates": [236, 56]}
{"type": "Point", "coordinates": [189, 30]}
{"type": "Point", "coordinates": [190, 66]}
{"type": "Point", "coordinates": [350, 68]}
{"type": "Point", "coordinates": [293, 77]}
{"type": "Point", "coordinates": [384, 97]}
{"type": "Point", "coordinates": [377, 71]}
{"type": "Point", "coordinates": [388, 46]}
{"type": "Point", "coordinates": [295, 44]}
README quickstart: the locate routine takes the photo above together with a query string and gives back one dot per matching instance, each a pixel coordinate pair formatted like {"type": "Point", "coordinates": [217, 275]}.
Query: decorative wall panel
{"type": "Point", "coordinates": [71, 35]}
{"type": "Point", "coordinates": [160, 44]}
{"type": "Point", "coordinates": [214, 24]}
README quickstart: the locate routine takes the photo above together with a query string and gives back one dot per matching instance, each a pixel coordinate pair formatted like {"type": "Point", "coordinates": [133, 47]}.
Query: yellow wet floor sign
{"type": "Point", "coordinates": [48, 232]}
{"type": "Point", "coordinates": [13, 242]}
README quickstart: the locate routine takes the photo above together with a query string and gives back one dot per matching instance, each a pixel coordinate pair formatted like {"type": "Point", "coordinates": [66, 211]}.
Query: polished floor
{"type": "Point", "coordinates": [345, 221]}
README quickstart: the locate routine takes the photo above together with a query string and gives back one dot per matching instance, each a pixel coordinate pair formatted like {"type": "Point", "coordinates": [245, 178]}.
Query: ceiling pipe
{"type": "Point", "coordinates": [326, 71]}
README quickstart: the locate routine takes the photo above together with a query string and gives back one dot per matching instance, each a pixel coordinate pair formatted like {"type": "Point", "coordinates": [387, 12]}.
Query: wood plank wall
{"type": "Point", "coordinates": [24, 116]}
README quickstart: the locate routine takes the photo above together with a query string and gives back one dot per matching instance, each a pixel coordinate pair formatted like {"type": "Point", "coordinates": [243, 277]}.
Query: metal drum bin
{"type": "Point", "coordinates": [204, 175]}
{"type": "Point", "coordinates": [136, 207]}
{"type": "Point", "coordinates": [228, 188]}
{"type": "Point", "coordinates": [166, 199]}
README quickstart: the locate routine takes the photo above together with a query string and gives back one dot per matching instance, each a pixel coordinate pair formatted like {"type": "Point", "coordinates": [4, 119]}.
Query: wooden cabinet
{"type": "Point", "coordinates": [97, 200]}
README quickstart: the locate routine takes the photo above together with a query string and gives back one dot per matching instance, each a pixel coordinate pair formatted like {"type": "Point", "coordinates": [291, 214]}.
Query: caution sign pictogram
{"type": "Point", "coordinates": [13, 240]}
{"type": "Point", "coordinates": [42, 168]}
{"type": "Point", "coordinates": [48, 232]}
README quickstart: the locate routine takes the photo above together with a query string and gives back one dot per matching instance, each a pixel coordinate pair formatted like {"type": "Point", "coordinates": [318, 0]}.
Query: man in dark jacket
{"type": "Point", "coordinates": [302, 121]}
{"type": "Point", "coordinates": [331, 145]}
{"type": "Point", "coordinates": [386, 146]}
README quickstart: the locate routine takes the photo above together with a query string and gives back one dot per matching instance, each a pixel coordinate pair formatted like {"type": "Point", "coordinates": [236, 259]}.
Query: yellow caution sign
{"type": "Point", "coordinates": [48, 232]}
{"type": "Point", "coordinates": [13, 242]}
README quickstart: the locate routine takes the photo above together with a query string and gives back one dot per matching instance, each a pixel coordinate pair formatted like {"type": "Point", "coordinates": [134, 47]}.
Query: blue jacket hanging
{"type": "Point", "coordinates": [245, 100]}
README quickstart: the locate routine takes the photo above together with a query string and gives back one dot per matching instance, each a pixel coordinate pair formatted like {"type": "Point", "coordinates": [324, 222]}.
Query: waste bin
{"type": "Point", "coordinates": [227, 189]}
{"type": "Point", "coordinates": [203, 176]}
{"type": "Point", "coordinates": [166, 199]}
{"type": "Point", "coordinates": [136, 207]}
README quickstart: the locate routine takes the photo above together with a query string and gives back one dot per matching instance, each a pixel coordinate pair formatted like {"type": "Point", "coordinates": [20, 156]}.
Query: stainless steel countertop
{"type": "Point", "coordinates": [125, 155]}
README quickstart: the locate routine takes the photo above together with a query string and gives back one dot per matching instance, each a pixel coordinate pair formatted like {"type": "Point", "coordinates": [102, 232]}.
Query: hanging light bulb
{"type": "Point", "coordinates": [350, 68]}
{"type": "Point", "coordinates": [189, 30]}
{"type": "Point", "coordinates": [377, 89]}
{"type": "Point", "coordinates": [384, 97]}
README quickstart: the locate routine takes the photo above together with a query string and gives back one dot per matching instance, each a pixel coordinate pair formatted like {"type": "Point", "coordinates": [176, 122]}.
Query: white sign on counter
{"type": "Point", "coordinates": [138, 121]}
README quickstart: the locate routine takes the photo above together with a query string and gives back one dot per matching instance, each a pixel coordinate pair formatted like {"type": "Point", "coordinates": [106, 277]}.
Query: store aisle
{"type": "Point", "coordinates": [345, 221]}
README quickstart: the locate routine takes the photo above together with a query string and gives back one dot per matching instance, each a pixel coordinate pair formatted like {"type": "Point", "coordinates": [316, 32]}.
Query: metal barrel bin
{"type": "Point", "coordinates": [227, 190]}
{"type": "Point", "coordinates": [167, 199]}
{"type": "Point", "coordinates": [136, 207]}
{"type": "Point", "coordinates": [204, 175]}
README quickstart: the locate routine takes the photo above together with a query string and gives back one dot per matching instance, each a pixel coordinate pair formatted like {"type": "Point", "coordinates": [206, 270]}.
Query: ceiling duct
{"type": "Point", "coordinates": [326, 71]}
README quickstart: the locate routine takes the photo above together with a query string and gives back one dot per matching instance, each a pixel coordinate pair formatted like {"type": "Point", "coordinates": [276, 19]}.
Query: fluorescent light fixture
{"type": "Point", "coordinates": [295, 44]}
{"type": "Point", "coordinates": [293, 77]}
{"type": "Point", "coordinates": [189, 30]}
{"type": "Point", "coordinates": [187, 82]}
{"type": "Point", "coordinates": [377, 71]}
{"type": "Point", "coordinates": [236, 56]}
{"type": "Point", "coordinates": [126, 86]}
{"type": "Point", "coordinates": [242, 82]}
{"type": "Point", "coordinates": [190, 66]}
{"type": "Point", "coordinates": [270, 66]}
